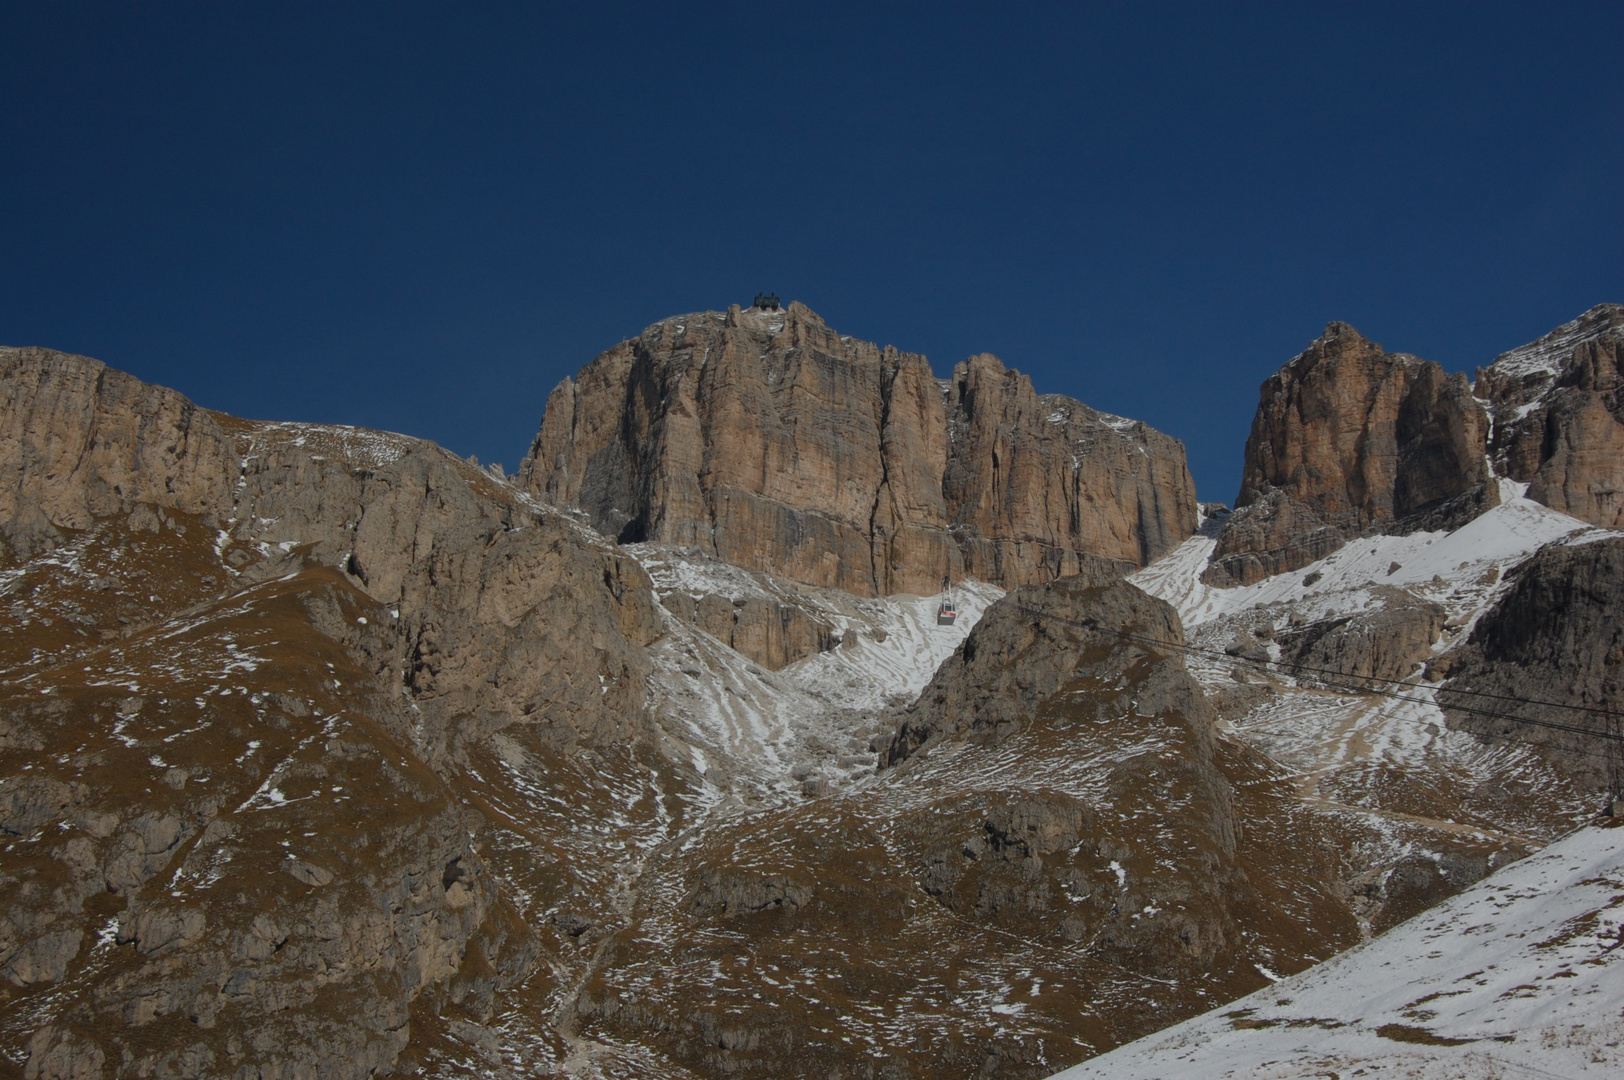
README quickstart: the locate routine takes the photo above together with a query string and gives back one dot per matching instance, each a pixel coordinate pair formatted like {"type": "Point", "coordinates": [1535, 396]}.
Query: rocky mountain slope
{"type": "Point", "coordinates": [766, 439]}
{"type": "Point", "coordinates": [325, 752]}
{"type": "Point", "coordinates": [1517, 976]}
{"type": "Point", "coordinates": [240, 660]}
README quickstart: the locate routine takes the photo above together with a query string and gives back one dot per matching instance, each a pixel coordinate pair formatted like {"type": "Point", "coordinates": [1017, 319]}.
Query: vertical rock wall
{"type": "Point", "coordinates": [770, 441]}
{"type": "Point", "coordinates": [79, 440]}
{"type": "Point", "coordinates": [1348, 439]}
{"type": "Point", "coordinates": [1559, 416]}
{"type": "Point", "coordinates": [1041, 487]}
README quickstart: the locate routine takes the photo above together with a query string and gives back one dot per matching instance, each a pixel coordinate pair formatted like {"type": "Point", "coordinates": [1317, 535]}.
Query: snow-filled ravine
{"type": "Point", "coordinates": [1520, 975]}
{"type": "Point", "coordinates": [753, 732]}
{"type": "Point", "coordinates": [1464, 570]}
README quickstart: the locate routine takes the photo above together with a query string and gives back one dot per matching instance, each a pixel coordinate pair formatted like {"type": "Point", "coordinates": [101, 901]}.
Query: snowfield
{"type": "Point", "coordinates": [1520, 975]}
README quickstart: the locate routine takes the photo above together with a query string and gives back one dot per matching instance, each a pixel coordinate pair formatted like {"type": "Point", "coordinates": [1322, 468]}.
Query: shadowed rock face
{"type": "Point", "coordinates": [1559, 416]}
{"type": "Point", "coordinates": [772, 442]}
{"type": "Point", "coordinates": [1554, 637]}
{"type": "Point", "coordinates": [1350, 439]}
{"type": "Point", "coordinates": [1386, 641]}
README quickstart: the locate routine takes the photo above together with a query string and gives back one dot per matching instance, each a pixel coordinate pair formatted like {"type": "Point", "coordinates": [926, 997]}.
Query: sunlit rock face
{"type": "Point", "coordinates": [768, 440]}
{"type": "Point", "coordinates": [1350, 439]}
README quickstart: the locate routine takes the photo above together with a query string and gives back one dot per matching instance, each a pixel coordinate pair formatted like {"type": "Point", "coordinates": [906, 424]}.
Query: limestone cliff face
{"type": "Point", "coordinates": [79, 440]}
{"type": "Point", "coordinates": [1042, 486]}
{"type": "Point", "coordinates": [1349, 439]}
{"type": "Point", "coordinates": [772, 442]}
{"type": "Point", "coordinates": [1559, 416]}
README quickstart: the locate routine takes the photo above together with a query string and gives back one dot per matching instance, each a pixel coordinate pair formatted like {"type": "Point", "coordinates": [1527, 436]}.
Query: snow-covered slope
{"type": "Point", "coordinates": [1462, 570]}
{"type": "Point", "coordinates": [1550, 354]}
{"type": "Point", "coordinates": [1520, 975]}
{"type": "Point", "coordinates": [771, 732]}
{"type": "Point", "coordinates": [1390, 765]}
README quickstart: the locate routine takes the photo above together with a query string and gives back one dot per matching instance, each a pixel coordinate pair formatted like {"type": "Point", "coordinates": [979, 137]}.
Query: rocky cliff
{"type": "Point", "coordinates": [1550, 651]}
{"type": "Point", "coordinates": [1350, 439]}
{"type": "Point", "coordinates": [1558, 408]}
{"type": "Point", "coordinates": [79, 440]}
{"type": "Point", "coordinates": [246, 666]}
{"type": "Point", "coordinates": [768, 440]}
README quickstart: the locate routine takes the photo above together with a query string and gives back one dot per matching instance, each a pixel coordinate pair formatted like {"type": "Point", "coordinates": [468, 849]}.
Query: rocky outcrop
{"type": "Point", "coordinates": [1350, 439]}
{"type": "Point", "coordinates": [1559, 416]}
{"type": "Point", "coordinates": [770, 632]}
{"type": "Point", "coordinates": [1386, 640]}
{"type": "Point", "coordinates": [1551, 650]}
{"type": "Point", "coordinates": [79, 440]}
{"type": "Point", "coordinates": [1096, 660]}
{"type": "Point", "coordinates": [767, 440]}
{"type": "Point", "coordinates": [983, 693]}
{"type": "Point", "coordinates": [253, 851]}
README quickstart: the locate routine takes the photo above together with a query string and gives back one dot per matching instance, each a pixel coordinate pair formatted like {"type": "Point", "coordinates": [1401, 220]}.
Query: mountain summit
{"type": "Point", "coordinates": [766, 439]}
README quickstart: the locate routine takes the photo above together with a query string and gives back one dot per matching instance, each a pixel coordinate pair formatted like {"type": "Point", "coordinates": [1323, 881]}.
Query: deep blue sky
{"type": "Point", "coordinates": [422, 217]}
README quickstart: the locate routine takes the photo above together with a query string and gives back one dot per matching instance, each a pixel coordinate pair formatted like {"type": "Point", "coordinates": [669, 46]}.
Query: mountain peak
{"type": "Point", "coordinates": [763, 437]}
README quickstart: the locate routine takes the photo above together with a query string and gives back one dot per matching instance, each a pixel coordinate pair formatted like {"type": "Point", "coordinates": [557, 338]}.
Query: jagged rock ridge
{"type": "Point", "coordinates": [1559, 416]}
{"type": "Point", "coordinates": [768, 440]}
